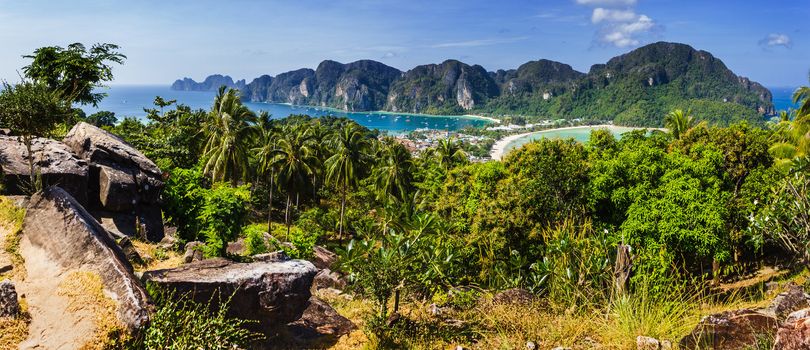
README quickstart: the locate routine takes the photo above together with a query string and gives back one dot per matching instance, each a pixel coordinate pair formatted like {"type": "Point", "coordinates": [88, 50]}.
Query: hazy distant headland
{"type": "Point", "coordinates": [637, 88]}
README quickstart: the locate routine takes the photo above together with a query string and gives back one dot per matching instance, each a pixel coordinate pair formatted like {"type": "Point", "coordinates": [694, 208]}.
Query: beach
{"type": "Point", "coordinates": [499, 149]}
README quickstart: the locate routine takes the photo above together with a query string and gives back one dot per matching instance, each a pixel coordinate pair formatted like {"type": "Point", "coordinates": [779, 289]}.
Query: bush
{"type": "Point", "coordinates": [183, 198]}
{"type": "Point", "coordinates": [302, 244]}
{"type": "Point", "coordinates": [255, 242]}
{"type": "Point", "coordinates": [222, 216]}
{"type": "Point", "coordinates": [180, 323]}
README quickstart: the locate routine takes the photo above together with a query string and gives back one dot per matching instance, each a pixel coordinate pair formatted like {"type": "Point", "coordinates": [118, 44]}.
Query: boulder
{"type": "Point", "coordinates": [272, 293]}
{"type": "Point", "coordinates": [124, 180]}
{"type": "Point", "coordinates": [319, 325]}
{"type": "Point", "coordinates": [323, 258]}
{"type": "Point", "coordinates": [56, 223]}
{"type": "Point", "coordinates": [791, 300]}
{"type": "Point", "coordinates": [194, 252]}
{"type": "Point", "coordinates": [794, 333]}
{"type": "Point", "coordinates": [237, 247]}
{"type": "Point", "coordinates": [277, 256]}
{"type": "Point", "coordinates": [736, 329]}
{"type": "Point", "coordinates": [647, 343]}
{"type": "Point", "coordinates": [118, 224]}
{"type": "Point", "coordinates": [9, 305]}
{"type": "Point", "coordinates": [53, 159]}
{"type": "Point", "coordinates": [514, 296]}
{"type": "Point", "coordinates": [327, 278]}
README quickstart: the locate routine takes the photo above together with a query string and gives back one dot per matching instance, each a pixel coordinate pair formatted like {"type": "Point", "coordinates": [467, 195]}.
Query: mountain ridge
{"type": "Point", "coordinates": [635, 88]}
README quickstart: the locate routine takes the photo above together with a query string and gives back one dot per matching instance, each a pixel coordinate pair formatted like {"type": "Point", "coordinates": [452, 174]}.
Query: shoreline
{"type": "Point", "coordinates": [499, 148]}
{"type": "Point", "coordinates": [465, 116]}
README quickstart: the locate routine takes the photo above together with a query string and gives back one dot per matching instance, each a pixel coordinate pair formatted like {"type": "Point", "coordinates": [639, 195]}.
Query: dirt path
{"type": "Point", "coordinates": [53, 324]}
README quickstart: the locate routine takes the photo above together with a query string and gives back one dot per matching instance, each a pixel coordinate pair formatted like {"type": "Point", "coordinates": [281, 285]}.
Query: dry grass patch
{"type": "Point", "coordinates": [11, 221]}
{"type": "Point", "coordinates": [85, 291]}
{"type": "Point", "coordinates": [13, 331]}
{"type": "Point", "coordinates": [161, 258]}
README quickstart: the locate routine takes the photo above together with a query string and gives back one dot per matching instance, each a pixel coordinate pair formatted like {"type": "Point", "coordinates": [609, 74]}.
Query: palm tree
{"type": "Point", "coordinates": [449, 153]}
{"type": "Point", "coordinates": [345, 166]}
{"type": "Point", "coordinates": [228, 131]}
{"type": "Point", "coordinates": [679, 122]}
{"type": "Point", "coordinates": [802, 97]}
{"type": "Point", "coordinates": [294, 157]}
{"type": "Point", "coordinates": [393, 173]}
{"type": "Point", "coordinates": [267, 141]}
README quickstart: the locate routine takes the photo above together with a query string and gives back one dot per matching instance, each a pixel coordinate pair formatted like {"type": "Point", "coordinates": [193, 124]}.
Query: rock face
{"type": "Point", "coordinates": [58, 224]}
{"type": "Point", "coordinates": [327, 278]}
{"type": "Point", "coordinates": [9, 305]}
{"type": "Point", "coordinates": [792, 299]}
{"type": "Point", "coordinates": [794, 333]}
{"type": "Point", "coordinates": [319, 325]}
{"type": "Point", "coordinates": [129, 184]}
{"type": "Point", "coordinates": [57, 165]}
{"type": "Point", "coordinates": [272, 293]}
{"type": "Point", "coordinates": [736, 329]}
{"type": "Point", "coordinates": [323, 258]}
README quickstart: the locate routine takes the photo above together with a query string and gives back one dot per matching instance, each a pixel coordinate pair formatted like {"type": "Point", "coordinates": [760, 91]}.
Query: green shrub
{"type": "Point", "coordinates": [222, 216]}
{"type": "Point", "coordinates": [302, 244]}
{"type": "Point", "coordinates": [255, 242]}
{"type": "Point", "coordinates": [180, 323]}
{"type": "Point", "coordinates": [183, 198]}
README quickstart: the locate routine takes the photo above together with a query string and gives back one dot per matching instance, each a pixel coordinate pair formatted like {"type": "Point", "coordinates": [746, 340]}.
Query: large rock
{"type": "Point", "coordinates": [123, 179]}
{"type": "Point", "coordinates": [327, 278]}
{"type": "Point", "coordinates": [791, 300]}
{"type": "Point", "coordinates": [9, 305]}
{"type": "Point", "coordinates": [323, 258]}
{"type": "Point", "coordinates": [56, 223]}
{"type": "Point", "coordinates": [794, 333]}
{"type": "Point", "coordinates": [319, 325]}
{"type": "Point", "coordinates": [736, 329]}
{"type": "Point", "coordinates": [272, 293]}
{"type": "Point", "coordinates": [53, 159]}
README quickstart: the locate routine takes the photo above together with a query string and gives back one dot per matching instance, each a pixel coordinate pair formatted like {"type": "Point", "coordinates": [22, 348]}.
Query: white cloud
{"type": "Point", "coordinates": [608, 15]}
{"type": "Point", "coordinates": [479, 42]}
{"type": "Point", "coordinates": [607, 2]}
{"type": "Point", "coordinates": [626, 33]}
{"type": "Point", "coordinates": [773, 40]}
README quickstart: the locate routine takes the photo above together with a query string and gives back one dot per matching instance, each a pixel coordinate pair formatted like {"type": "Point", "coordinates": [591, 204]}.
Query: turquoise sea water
{"type": "Point", "coordinates": [580, 134]}
{"type": "Point", "coordinates": [129, 101]}
{"type": "Point", "coordinates": [783, 97]}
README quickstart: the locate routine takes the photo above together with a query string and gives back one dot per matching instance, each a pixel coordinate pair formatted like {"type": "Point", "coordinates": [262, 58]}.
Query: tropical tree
{"type": "Point", "coordinates": [802, 97]}
{"type": "Point", "coordinates": [31, 109]}
{"type": "Point", "coordinates": [393, 174]}
{"type": "Point", "coordinates": [449, 153]}
{"type": "Point", "coordinates": [344, 168]}
{"type": "Point", "coordinates": [229, 131]}
{"type": "Point", "coordinates": [74, 72]}
{"type": "Point", "coordinates": [296, 162]}
{"type": "Point", "coordinates": [268, 135]}
{"type": "Point", "coordinates": [679, 122]}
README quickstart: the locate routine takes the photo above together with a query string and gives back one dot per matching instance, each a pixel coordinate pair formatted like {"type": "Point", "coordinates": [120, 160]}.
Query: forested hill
{"type": "Point", "coordinates": [636, 88]}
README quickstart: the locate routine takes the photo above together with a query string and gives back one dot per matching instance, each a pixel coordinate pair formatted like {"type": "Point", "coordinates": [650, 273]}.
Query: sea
{"type": "Point", "coordinates": [130, 101]}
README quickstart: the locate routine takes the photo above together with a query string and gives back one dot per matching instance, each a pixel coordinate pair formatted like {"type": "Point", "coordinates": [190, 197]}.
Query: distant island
{"type": "Point", "coordinates": [634, 89]}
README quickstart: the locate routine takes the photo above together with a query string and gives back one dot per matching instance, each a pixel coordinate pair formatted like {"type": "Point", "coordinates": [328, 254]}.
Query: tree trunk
{"type": "Point", "coordinates": [715, 272]}
{"type": "Point", "coordinates": [287, 217]}
{"type": "Point", "coordinates": [621, 272]}
{"type": "Point", "coordinates": [342, 211]}
{"type": "Point", "coordinates": [270, 206]}
{"type": "Point", "coordinates": [396, 300]}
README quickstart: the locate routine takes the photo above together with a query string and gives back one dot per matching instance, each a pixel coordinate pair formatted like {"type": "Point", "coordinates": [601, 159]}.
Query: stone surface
{"type": "Point", "coordinates": [327, 278]}
{"type": "Point", "coordinates": [272, 293]}
{"type": "Point", "coordinates": [514, 296]}
{"type": "Point", "coordinates": [277, 256]}
{"type": "Point", "coordinates": [319, 325]}
{"type": "Point", "coordinates": [117, 190]}
{"type": "Point", "coordinates": [237, 247]}
{"type": "Point", "coordinates": [323, 258]}
{"type": "Point", "coordinates": [56, 223]}
{"type": "Point", "coordinates": [794, 333]}
{"type": "Point", "coordinates": [193, 252]}
{"type": "Point", "coordinates": [9, 304]}
{"type": "Point", "coordinates": [736, 329]}
{"type": "Point", "coordinates": [53, 159]}
{"type": "Point", "coordinates": [791, 300]}
{"type": "Point", "coordinates": [647, 343]}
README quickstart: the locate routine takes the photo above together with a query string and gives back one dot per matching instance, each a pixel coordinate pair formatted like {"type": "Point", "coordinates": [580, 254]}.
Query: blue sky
{"type": "Point", "coordinates": [768, 41]}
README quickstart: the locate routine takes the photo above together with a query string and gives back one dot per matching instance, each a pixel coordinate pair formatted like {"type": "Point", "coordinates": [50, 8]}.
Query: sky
{"type": "Point", "coordinates": [767, 41]}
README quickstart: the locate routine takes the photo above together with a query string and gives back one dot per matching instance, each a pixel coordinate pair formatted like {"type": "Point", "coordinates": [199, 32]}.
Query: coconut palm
{"type": "Point", "coordinates": [393, 173]}
{"type": "Point", "coordinates": [294, 158]}
{"type": "Point", "coordinates": [346, 164]}
{"type": "Point", "coordinates": [449, 153]}
{"type": "Point", "coordinates": [229, 131]}
{"type": "Point", "coordinates": [679, 122]}
{"type": "Point", "coordinates": [268, 135]}
{"type": "Point", "coordinates": [802, 97]}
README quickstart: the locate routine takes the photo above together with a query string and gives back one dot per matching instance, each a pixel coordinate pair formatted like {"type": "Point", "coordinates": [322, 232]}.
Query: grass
{"type": "Point", "coordinates": [85, 290]}
{"type": "Point", "coordinates": [11, 221]}
{"type": "Point", "coordinates": [161, 258]}
{"type": "Point", "coordinates": [15, 330]}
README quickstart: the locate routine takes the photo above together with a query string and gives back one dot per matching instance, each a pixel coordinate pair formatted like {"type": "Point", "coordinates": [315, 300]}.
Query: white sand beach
{"type": "Point", "coordinates": [499, 148]}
